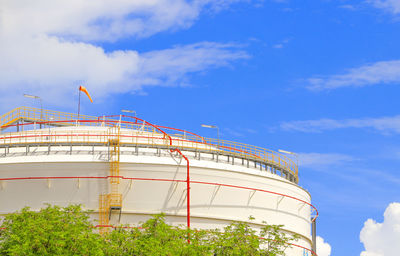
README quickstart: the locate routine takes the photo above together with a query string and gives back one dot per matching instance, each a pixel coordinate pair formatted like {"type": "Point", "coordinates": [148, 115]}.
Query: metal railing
{"type": "Point", "coordinates": [133, 131]}
{"type": "Point", "coordinates": [38, 115]}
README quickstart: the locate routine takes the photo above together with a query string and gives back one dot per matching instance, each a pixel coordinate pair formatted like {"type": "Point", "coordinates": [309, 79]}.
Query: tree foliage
{"type": "Point", "coordinates": [68, 231]}
{"type": "Point", "coordinates": [240, 239]}
{"type": "Point", "coordinates": [155, 237]}
{"type": "Point", "coordinates": [51, 231]}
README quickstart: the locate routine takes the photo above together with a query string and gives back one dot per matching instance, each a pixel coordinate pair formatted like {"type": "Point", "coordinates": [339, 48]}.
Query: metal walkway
{"type": "Point", "coordinates": [149, 135]}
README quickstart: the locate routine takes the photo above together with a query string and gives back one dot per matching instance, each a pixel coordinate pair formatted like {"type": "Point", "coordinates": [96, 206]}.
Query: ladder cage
{"type": "Point", "coordinates": [113, 200]}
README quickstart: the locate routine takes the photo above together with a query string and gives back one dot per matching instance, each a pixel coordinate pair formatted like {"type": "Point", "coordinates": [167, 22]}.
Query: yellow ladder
{"type": "Point", "coordinates": [103, 213]}
{"type": "Point", "coordinates": [113, 200]}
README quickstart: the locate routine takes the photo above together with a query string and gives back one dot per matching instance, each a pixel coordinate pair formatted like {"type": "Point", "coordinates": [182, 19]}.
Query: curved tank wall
{"type": "Point", "coordinates": [153, 180]}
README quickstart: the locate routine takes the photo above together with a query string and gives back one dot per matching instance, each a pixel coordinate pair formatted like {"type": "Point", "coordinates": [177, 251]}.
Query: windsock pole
{"type": "Point", "coordinates": [79, 103]}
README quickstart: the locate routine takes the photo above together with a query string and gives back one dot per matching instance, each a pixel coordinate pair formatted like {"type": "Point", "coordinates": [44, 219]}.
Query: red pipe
{"type": "Point", "coordinates": [136, 118]}
{"type": "Point", "coordinates": [156, 126]}
{"type": "Point", "coordinates": [187, 191]}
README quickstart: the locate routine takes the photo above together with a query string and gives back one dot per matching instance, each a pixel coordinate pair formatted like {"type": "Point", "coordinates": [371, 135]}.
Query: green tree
{"type": "Point", "coordinates": [155, 237]}
{"type": "Point", "coordinates": [50, 231]}
{"type": "Point", "coordinates": [68, 231]}
{"type": "Point", "coordinates": [274, 241]}
{"type": "Point", "coordinates": [236, 239]}
{"type": "Point", "coordinates": [239, 238]}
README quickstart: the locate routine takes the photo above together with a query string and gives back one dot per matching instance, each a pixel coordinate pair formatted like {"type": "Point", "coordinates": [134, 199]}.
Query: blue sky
{"type": "Point", "coordinates": [320, 78]}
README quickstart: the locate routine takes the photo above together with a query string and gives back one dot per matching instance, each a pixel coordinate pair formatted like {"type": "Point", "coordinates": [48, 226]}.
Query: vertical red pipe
{"type": "Point", "coordinates": [187, 191]}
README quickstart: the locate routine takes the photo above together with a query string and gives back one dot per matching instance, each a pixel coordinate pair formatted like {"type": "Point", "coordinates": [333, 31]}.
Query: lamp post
{"type": "Point", "coordinates": [212, 127]}
{"type": "Point", "coordinates": [41, 105]}
{"type": "Point", "coordinates": [293, 154]}
{"type": "Point", "coordinates": [129, 111]}
{"type": "Point", "coordinates": [290, 153]}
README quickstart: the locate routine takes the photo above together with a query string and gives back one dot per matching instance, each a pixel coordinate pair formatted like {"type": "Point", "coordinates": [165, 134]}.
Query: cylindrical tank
{"type": "Point", "coordinates": [81, 163]}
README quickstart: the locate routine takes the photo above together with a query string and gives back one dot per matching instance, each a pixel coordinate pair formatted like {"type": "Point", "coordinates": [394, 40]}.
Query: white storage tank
{"type": "Point", "coordinates": [126, 169]}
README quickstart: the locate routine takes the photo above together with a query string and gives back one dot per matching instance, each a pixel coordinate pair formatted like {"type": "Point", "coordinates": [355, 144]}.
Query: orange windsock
{"type": "Point", "coordinates": [83, 89]}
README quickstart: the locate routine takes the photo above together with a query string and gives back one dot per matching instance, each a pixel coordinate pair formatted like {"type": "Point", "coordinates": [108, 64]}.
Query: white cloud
{"type": "Point", "coordinates": [392, 6]}
{"type": "Point", "coordinates": [323, 248]}
{"type": "Point", "coordinates": [101, 19]}
{"type": "Point", "coordinates": [323, 159]}
{"type": "Point", "coordinates": [51, 67]}
{"type": "Point", "coordinates": [383, 72]}
{"type": "Point", "coordinates": [385, 125]}
{"type": "Point", "coordinates": [382, 239]}
{"type": "Point", "coordinates": [190, 58]}
{"type": "Point", "coordinates": [49, 47]}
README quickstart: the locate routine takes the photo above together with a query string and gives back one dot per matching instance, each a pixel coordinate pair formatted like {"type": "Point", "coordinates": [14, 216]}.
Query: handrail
{"type": "Point", "coordinates": [37, 115]}
{"type": "Point", "coordinates": [180, 137]}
